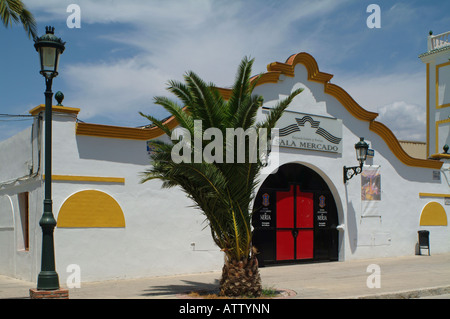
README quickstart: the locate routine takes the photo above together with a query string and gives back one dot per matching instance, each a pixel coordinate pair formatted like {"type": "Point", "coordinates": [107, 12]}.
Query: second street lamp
{"type": "Point", "coordinates": [361, 154]}
{"type": "Point", "coordinates": [49, 47]}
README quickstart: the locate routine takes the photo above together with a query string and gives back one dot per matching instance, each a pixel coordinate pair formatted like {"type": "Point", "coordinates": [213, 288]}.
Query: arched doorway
{"type": "Point", "coordinates": [295, 217]}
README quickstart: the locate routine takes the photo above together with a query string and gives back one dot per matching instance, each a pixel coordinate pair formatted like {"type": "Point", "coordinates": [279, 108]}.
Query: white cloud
{"type": "Point", "coordinates": [116, 90]}
{"type": "Point", "coordinates": [170, 38]}
{"type": "Point", "coordinates": [407, 121]}
{"type": "Point", "coordinates": [118, 11]}
{"type": "Point", "coordinates": [373, 91]}
{"type": "Point", "coordinates": [399, 98]}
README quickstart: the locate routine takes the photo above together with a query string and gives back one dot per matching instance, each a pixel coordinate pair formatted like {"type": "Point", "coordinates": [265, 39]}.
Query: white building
{"type": "Point", "coordinates": [112, 226]}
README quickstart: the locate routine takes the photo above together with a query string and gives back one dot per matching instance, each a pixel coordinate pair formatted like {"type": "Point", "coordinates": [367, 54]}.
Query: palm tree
{"type": "Point", "coordinates": [15, 10]}
{"type": "Point", "coordinates": [222, 190]}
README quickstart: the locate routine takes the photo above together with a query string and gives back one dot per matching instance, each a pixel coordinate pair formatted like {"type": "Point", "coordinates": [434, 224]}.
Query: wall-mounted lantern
{"type": "Point", "coordinates": [361, 154]}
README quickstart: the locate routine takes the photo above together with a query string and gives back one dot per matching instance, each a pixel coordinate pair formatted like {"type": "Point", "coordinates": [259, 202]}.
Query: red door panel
{"type": "Point", "coordinates": [295, 215]}
{"type": "Point", "coordinates": [305, 220]}
{"type": "Point", "coordinates": [285, 208]}
{"type": "Point", "coordinates": [305, 244]}
{"type": "Point", "coordinates": [305, 209]}
{"type": "Point", "coordinates": [285, 245]}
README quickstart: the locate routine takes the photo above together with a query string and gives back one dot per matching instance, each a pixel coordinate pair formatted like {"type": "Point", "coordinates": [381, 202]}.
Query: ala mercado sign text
{"type": "Point", "coordinates": [311, 132]}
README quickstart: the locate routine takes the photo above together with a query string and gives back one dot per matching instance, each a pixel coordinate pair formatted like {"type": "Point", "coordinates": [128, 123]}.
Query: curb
{"type": "Point", "coordinates": [409, 294]}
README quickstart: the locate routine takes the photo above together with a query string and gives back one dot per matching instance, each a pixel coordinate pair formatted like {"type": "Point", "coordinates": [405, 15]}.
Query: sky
{"type": "Point", "coordinates": [125, 52]}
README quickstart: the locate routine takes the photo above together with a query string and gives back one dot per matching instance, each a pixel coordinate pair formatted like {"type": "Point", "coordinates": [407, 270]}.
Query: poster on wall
{"type": "Point", "coordinates": [370, 191]}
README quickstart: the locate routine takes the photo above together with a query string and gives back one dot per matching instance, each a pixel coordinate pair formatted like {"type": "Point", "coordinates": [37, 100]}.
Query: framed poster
{"type": "Point", "coordinates": [370, 191]}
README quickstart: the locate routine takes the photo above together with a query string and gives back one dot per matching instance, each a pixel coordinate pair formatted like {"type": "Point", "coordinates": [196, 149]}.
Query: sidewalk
{"type": "Point", "coordinates": [400, 277]}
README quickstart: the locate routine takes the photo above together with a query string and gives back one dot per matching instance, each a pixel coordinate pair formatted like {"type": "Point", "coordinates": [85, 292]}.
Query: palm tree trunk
{"type": "Point", "coordinates": [241, 278]}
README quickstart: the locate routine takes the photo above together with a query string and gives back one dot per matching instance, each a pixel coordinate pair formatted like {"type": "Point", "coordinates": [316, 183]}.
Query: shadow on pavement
{"type": "Point", "coordinates": [187, 288]}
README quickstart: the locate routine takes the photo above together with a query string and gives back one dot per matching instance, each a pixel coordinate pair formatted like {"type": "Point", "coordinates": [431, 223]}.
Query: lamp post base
{"type": "Point", "coordinates": [48, 280]}
{"type": "Point", "coordinates": [49, 294]}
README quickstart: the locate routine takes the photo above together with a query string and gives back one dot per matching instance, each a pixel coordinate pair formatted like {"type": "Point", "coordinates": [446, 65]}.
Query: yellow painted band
{"type": "Point", "coordinates": [130, 133]}
{"type": "Point", "coordinates": [55, 108]}
{"type": "Point", "coordinates": [433, 195]}
{"type": "Point", "coordinates": [440, 156]}
{"type": "Point", "coordinates": [87, 178]}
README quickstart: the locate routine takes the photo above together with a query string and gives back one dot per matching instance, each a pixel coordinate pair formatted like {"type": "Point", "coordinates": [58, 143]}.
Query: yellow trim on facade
{"type": "Point", "coordinates": [437, 85]}
{"type": "Point", "coordinates": [433, 195]}
{"type": "Point", "coordinates": [90, 208]}
{"type": "Point", "coordinates": [349, 103]}
{"type": "Point", "coordinates": [55, 108]}
{"type": "Point", "coordinates": [226, 93]}
{"type": "Point", "coordinates": [398, 150]}
{"type": "Point", "coordinates": [78, 178]}
{"type": "Point", "coordinates": [268, 77]}
{"type": "Point", "coordinates": [433, 214]}
{"type": "Point", "coordinates": [131, 133]}
{"type": "Point", "coordinates": [437, 132]}
{"type": "Point", "coordinates": [308, 61]}
{"type": "Point", "coordinates": [110, 131]}
{"type": "Point", "coordinates": [428, 109]}
{"type": "Point", "coordinates": [439, 156]}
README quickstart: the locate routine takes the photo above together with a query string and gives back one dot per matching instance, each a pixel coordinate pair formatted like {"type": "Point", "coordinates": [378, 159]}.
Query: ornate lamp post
{"type": "Point", "coordinates": [49, 47]}
{"type": "Point", "coordinates": [361, 154]}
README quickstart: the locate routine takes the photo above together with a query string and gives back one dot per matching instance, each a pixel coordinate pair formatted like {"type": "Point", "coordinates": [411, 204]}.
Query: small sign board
{"type": "Point", "coordinates": [311, 132]}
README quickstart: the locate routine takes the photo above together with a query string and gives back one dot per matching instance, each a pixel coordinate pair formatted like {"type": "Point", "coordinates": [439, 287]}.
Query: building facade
{"type": "Point", "coordinates": [112, 226]}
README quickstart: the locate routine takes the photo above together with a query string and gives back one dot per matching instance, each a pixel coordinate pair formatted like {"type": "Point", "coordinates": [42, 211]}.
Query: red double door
{"type": "Point", "coordinates": [294, 224]}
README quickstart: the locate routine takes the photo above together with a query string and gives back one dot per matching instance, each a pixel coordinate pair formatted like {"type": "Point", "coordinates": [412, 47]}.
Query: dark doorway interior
{"type": "Point", "coordinates": [295, 217]}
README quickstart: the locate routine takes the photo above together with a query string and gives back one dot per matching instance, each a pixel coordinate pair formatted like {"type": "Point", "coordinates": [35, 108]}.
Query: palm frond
{"type": "Point", "coordinates": [158, 123]}
{"type": "Point", "coordinates": [181, 91]}
{"type": "Point", "coordinates": [29, 23]}
{"type": "Point", "coordinates": [241, 85]}
{"type": "Point", "coordinates": [15, 11]}
{"type": "Point", "coordinates": [276, 112]}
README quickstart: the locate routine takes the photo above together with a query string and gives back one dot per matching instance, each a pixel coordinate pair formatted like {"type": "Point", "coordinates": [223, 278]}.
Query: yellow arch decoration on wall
{"type": "Point", "coordinates": [90, 208]}
{"type": "Point", "coordinates": [433, 214]}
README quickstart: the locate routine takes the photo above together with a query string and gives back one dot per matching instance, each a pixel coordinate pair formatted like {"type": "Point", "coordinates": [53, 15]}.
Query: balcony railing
{"type": "Point", "coordinates": [438, 41]}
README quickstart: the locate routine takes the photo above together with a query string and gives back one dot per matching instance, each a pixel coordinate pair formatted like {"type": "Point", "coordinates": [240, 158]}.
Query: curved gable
{"type": "Point", "coordinates": [274, 70]}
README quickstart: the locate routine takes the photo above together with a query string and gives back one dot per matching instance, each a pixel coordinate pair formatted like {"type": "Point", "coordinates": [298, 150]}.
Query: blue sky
{"type": "Point", "coordinates": [126, 51]}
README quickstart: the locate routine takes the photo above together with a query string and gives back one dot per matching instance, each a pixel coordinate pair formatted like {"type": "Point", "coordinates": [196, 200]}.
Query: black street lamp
{"type": "Point", "coordinates": [49, 47]}
{"type": "Point", "coordinates": [361, 154]}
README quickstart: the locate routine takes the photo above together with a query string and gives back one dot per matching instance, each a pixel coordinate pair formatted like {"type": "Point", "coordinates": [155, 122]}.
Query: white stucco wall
{"type": "Point", "coordinates": [19, 166]}
{"type": "Point", "coordinates": [161, 228]}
